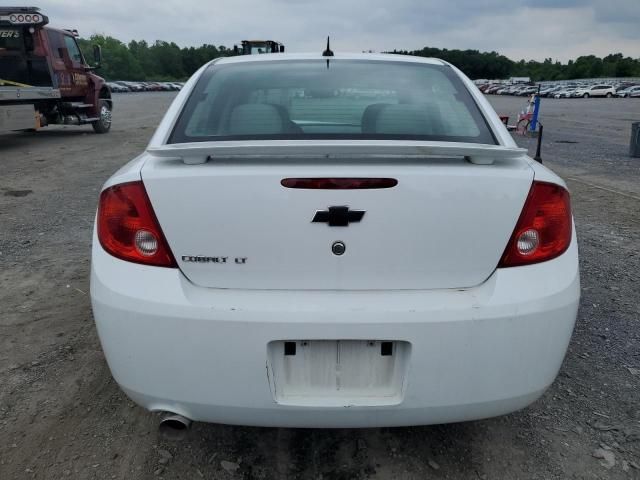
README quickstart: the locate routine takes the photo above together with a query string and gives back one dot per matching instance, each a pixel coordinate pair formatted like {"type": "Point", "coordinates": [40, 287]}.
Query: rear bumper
{"type": "Point", "coordinates": [201, 352]}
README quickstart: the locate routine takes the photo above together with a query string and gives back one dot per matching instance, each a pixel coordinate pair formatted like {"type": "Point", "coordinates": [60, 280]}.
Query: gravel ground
{"type": "Point", "coordinates": [62, 415]}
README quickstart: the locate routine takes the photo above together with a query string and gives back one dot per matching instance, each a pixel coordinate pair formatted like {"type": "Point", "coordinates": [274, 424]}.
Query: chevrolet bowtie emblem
{"type": "Point", "coordinates": [338, 216]}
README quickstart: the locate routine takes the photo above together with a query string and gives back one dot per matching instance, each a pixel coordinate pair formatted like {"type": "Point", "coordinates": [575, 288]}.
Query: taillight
{"type": "Point", "coordinates": [544, 228]}
{"type": "Point", "coordinates": [128, 228]}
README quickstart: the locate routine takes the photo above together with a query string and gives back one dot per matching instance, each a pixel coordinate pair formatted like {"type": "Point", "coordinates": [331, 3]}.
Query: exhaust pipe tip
{"type": "Point", "coordinates": [174, 426]}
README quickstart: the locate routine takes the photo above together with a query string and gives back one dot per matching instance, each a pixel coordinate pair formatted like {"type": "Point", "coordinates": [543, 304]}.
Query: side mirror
{"type": "Point", "coordinates": [281, 48]}
{"type": "Point", "coordinates": [97, 54]}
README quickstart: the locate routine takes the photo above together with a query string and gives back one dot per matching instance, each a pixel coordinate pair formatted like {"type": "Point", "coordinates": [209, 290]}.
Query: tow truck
{"type": "Point", "coordinates": [253, 47]}
{"type": "Point", "coordinates": [44, 78]}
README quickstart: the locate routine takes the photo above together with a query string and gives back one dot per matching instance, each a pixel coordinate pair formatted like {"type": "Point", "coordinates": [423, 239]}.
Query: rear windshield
{"type": "Point", "coordinates": [346, 99]}
{"type": "Point", "coordinates": [11, 39]}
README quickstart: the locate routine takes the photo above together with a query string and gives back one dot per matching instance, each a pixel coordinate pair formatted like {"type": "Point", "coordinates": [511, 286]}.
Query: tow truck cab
{"type": "Point", "coordinates": [44, 78]}
{"type": "Point", "coordinates": [253, 47]}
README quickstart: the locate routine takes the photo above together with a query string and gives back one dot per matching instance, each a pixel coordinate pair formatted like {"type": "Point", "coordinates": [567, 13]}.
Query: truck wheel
{"type": "Point", "coordinates": [104, 124]}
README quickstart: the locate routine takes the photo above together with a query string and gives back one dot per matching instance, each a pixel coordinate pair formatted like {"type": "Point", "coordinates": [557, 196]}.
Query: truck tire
{"type": "Point", "coordinates": [104, 124]}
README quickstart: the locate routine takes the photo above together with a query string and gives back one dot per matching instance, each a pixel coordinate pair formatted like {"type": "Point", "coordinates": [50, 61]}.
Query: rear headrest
{"type": "Point", "coordinates": [287, 124]}
{"type": "Point", "coordinates": [256, 119]}
{"type": "Point", "coordinates": [408, 119]}
{"type": "Point", "coordinates": [369, 116]}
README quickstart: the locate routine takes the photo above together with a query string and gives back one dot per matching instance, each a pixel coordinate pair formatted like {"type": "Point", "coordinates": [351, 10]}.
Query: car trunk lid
{"type": "Point", "coordinates": [231, 223]}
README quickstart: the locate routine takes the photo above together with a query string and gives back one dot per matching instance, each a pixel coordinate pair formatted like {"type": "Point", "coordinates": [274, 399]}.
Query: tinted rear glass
{"type": "Point", "coordinates": [348, 100]}
{"type": "Point", "coordinates": [11, 39]}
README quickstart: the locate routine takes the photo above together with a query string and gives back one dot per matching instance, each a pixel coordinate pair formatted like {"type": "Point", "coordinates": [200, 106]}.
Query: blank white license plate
{"type": "Point", "coordinates": [338, 372]}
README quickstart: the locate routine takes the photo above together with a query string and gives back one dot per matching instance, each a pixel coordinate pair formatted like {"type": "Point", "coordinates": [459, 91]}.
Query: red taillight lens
{"type": "Point", "coordinates": [128, 228]}
{"type": "Point", "coordinates": [544, 229]}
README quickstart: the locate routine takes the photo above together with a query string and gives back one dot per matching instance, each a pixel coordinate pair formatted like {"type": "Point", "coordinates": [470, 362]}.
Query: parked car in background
{"type": "Point", "coordinates": [595, 91]}
{"type": "Point", "coordinates": [123, 85]}
{"type": "Point", "coordinates": [528, 91]}
{"type": "Point", "coordinates": [133, 86]}
{"type": "Point", "coordinates": [545, 89]}
{"type": "Point", "coordinates": [116, 87]}
{"type": "Point", "coordinates": [625, 85]}
{"type": "Point", "coordinates": [147, 86]}
{"type": "Point", "coordinates": [564, 93]}
{"type": "Point", "coordinates": [629, 92]}
{"type": "Point", "coordinates": [573, 89]}
{"type": "Point", "coordinates": [550, 91]}
{"type": "Point", "coordinates": [509, 90]}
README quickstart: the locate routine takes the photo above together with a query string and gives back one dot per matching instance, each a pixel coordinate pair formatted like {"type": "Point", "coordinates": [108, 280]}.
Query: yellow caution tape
{"type": "Point", "coordinates": [12, 84]}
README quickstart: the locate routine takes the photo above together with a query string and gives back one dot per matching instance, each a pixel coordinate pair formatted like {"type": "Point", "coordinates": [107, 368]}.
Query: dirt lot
{"type": "Point", "coordinates": [62, 415]}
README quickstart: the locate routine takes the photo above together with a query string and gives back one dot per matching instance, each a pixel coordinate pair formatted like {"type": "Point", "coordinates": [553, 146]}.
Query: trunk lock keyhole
{"type": "Point", "coordinates": [338, 248]}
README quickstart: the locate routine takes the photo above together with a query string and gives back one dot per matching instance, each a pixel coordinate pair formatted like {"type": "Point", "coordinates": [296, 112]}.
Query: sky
{"type": "Point", "coordinates": [529, 29]}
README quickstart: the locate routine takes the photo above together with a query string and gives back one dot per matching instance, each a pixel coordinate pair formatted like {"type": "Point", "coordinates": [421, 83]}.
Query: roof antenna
{"type": "Point", "coordinates": [327, 53]}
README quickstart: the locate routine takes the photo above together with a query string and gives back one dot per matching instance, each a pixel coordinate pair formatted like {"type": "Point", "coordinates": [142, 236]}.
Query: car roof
{"type": "Point", "coordinates": [379, 57]}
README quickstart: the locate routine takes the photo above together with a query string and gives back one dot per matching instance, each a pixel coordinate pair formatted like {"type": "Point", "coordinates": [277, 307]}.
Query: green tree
{"type": "Point", "coordinates": [167, 61]}
{"type": "Point", "coordinates": [117, 63]}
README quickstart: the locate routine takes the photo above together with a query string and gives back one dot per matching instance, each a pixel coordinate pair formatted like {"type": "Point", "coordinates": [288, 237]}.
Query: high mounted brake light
{"type": "Point", "coordinates": [544, 229]}
{"type": "Point", "coordinates": [128, 228]}
{"type": "Point", "coordinates": [338, 183]}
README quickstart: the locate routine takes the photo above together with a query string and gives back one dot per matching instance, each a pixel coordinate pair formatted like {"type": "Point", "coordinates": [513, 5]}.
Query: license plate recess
{"type": "Point", "coordinates": [338, 372]}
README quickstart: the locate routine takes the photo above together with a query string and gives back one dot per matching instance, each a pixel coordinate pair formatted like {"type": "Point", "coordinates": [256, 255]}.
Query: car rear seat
{"type": "Point", "coordinates": [370, 115]}
{"type": "Point", "coordinates": [290, 127]}
{"type": "Point", "coordinates": [260, 119]}
{"type": "Point", "coordinates": [403, 119]}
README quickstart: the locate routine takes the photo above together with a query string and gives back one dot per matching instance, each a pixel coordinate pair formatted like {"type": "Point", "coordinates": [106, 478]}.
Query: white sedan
{"type": "Point", "coordinates": [345, 241]}
{"type": "Point", "coordinates": [633, 91]}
